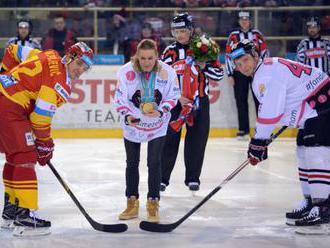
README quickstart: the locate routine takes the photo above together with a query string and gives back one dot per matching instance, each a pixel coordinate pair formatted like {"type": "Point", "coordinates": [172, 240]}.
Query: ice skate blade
{"type": "Point", "coordinates": [243, 138]}
{"type": "Point", "coordinates": [22, 231]}
{"type": "Point", "coordinates": [323, 229]}
{"type": "Point", "coordinates": [7, 224]}
{"type": "Point", "coordinates": [291, 222]}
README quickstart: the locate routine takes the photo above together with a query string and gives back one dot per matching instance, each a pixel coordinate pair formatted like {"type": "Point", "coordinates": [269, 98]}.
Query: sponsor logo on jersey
{"type": "Point", "coordinates": [160, 81]}
{"type": "Point", "coordinates": [130, 75]}
{"type": "Point", "coordinates": [61, 91]}
{"type": "Point", "coordinates": [29, 139]}
{"type": "Point", "coordinates": [293, 117]}
{"type": "Point", "coordinates": [262, 89]}
{"type": "Point", "coordinates": [179, 67]}
{"type": "Point", "coordinates": [7, 81]}
{"type": "Point", "coordinates": [316, 53]}
{"type": "Point", "coordinates": [312, 84]}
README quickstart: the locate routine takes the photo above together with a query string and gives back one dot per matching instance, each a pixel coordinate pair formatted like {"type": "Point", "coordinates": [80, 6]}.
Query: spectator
{"type": "Point", "coordinates": [147, 33]}
{"type": "Point", "coordinates": [24, 37]}
{"type": "Point", "coordinates": [116, 35]}
{"type": "Point", "coordinates": [59, 38]}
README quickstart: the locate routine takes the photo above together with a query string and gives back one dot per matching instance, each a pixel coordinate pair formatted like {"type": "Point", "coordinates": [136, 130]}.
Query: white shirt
{"type": "Point", "coordinates": [282, 87]}
{"type": "Point", "coordinates": [129, 81]}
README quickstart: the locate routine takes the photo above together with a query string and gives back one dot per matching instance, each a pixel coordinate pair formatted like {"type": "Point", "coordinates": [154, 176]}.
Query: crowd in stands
{"type": "Point", "coordinates": [123, 30]}
{"type": "Point", "coordinates": [158, 3]}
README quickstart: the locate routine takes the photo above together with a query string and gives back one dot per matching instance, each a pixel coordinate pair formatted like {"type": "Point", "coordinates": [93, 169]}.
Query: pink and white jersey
{"type": "Point", "coordinates": [129, 82]}
{"type": "Point", "coordinates": [282, 87]}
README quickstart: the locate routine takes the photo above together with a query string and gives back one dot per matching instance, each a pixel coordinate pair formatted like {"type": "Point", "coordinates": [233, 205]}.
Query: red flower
{"type": "Point", "coordinates": [189, 52]}
{"type": "Point", "coordinates": [204, 49]}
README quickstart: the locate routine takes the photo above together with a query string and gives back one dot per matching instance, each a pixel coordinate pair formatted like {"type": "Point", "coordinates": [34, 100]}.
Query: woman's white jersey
{"type": "Point", "coordinates": [129, 82]}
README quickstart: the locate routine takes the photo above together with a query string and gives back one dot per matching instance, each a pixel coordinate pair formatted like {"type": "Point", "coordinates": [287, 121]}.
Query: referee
{"type": "Point", "coordinates": [240, 82]}
{"type": "Point", "coordinates": [314, 50]}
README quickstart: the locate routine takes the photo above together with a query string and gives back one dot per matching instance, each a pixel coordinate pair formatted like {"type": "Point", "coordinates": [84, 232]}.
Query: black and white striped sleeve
{"type": "Point", "coordinates": [167, 56]}
{"type": "Point", "coordinates": [327, 45]}
{"type": "Point", "coordinates": [301, 49]}
{"type": "Point", "coordinates": [213, 70]}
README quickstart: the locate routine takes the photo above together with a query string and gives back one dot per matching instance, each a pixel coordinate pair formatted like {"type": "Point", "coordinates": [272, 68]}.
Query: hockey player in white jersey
{"type": "Point", "coordinates": [146, 92]}
{"type": "Point", "coordinates": [295, 95]}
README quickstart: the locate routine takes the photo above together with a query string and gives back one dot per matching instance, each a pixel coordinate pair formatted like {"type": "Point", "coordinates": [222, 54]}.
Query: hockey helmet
{"type": "Point", "coordinates": [313, 21]}
{"type": "Point", "coordinates": [182, 20]}
{"type": "Point", "coordinates": [25, 23]}
{"type": "Point", "coordinates": [244, 15]}
{"type": "Point", "coordinates": [81, 51]}
{"type": "Point", "coordinates": [243, 47]}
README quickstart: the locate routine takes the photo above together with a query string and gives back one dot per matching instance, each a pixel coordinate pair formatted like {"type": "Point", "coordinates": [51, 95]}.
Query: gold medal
{"type": "Point", "coordinates": [147, 107]}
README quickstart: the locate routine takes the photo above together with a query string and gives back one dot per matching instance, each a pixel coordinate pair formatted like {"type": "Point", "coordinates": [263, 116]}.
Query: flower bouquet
{"type": "Point", "coordinates": [204, 48]}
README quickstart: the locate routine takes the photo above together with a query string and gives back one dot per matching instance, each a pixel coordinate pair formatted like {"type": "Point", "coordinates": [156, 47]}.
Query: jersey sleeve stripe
{"type": "Point", "coordinates": [269, 120]}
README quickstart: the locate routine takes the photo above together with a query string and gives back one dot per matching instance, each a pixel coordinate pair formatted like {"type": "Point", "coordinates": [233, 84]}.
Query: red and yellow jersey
{"type": "Point", "coordinates": [15, 54]}
{"type": "Point", "coordinates": [40, 85]}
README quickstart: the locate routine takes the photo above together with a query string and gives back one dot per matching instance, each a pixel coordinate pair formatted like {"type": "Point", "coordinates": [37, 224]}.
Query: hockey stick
{"type": "Point", "coordinates": [157, 227]}
{"type": "Point", "coordinates": [113, 228]}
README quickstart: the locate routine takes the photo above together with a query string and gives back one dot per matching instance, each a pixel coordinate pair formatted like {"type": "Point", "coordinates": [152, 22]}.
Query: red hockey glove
{"type": "Point", "coordinates": [44, 151]}
{"type": "Point", "coordinates": [257, 151]}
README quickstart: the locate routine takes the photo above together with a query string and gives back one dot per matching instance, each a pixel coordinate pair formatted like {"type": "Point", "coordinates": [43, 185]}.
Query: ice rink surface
{"type": "Point", "coordinates": [248, 212]}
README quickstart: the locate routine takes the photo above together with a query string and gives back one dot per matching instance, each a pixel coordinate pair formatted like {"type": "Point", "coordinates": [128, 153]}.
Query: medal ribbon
{"type": "Point", "coordinates": [148, 87]}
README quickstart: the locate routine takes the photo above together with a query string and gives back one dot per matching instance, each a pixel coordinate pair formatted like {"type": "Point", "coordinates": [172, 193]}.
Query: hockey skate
{"type": "Point", "coordinates": [316, 223]}
{"type": "Point", "coordinates": [299, 212]}
{"type": "Point", "coordinates": [8, 214]}
{"type": "Point", "coordinates": [193, 186]}
{"type": "Point", "coordinates": [28, 224]}
{"type": "Point", "coordinates": [242, 136]}
{"type": "Point", "coordinates": [132, 209]}
{"type": "Point", "coordinates": [152, 210]}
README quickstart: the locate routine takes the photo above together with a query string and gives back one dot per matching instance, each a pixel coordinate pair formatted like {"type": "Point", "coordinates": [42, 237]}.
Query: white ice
{"type": "Point", "coordinates": [248, 212]}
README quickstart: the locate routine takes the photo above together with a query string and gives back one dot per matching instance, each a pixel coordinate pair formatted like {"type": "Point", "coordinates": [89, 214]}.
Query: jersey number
{"type": "Point", "coordinates": [30, 67]}
{"type": "Point", "coordinates": [296, 68]}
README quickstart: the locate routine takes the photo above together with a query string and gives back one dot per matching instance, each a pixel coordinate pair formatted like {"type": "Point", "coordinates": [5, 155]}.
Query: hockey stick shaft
{"type": "Point", "coordinates": [94, 224]}
{"type": "Point", "coordinates": [155, 227]}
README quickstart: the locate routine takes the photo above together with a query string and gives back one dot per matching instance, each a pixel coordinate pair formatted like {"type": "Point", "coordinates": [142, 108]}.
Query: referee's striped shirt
{"type": "Point", "coordinates": [315, 52]}
{"type": "Point", "coordinates": [238, 35]}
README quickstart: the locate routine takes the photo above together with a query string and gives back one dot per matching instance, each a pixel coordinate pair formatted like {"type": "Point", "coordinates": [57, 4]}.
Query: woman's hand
{"type": "Point", "coordinates": [184, 101]}
{"type": "Point", "coordinates": [132, 121]}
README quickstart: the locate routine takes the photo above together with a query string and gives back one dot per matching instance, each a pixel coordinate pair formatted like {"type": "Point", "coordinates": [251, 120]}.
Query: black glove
{"type": "Point", "coordinates": [257, 151]}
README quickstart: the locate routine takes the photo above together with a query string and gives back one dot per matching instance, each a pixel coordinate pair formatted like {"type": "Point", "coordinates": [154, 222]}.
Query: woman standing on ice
{"type": "Point", "coordinates": [146, 92]}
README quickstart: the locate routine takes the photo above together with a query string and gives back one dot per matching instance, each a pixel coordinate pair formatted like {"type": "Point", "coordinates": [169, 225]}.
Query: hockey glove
{"type": "Point", "coordinates": [257, 151]}
{"type": "Point", "coordinates": [44, 151]}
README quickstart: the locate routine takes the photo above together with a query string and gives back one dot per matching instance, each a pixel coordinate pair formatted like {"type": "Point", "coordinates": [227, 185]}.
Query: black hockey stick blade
{"type": "Point", "coordinates": [112, 228]}
{"type": "Point", "coordinates": [157, 227]}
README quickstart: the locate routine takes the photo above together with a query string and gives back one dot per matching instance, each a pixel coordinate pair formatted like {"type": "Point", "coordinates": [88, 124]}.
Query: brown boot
{"type": "Point", "coordinates": [152, 210]}
{"type": "Point", "coordinates": [132, 210]}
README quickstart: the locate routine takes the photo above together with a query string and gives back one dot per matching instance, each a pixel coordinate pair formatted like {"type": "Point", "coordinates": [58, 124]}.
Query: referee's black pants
{"type": "Point", "coordinates": [155, 148]}
{"type": "Point", "coordinates": [194, 145]}
{"type": "Point", "coordinates": [241, 92]}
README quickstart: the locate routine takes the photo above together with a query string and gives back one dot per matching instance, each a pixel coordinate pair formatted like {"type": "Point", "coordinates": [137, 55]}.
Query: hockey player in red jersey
{"type": "Point", "coordinates": [294, 95]}
{"type": "Point", "coordinates": [32, 87]}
